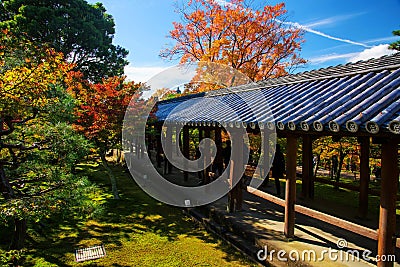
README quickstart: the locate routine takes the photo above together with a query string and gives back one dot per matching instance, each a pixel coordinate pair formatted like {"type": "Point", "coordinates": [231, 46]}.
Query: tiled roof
{"type": "Point", "coordinates": [356, 97]}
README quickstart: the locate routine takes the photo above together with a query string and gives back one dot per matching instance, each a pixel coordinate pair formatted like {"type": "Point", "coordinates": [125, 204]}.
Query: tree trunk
{"type": "Point", "coordinates": [113, 181]}
{"type": "Point", "coordinates": [119, 154]}
{"type": "Point", "coordinates": [317, 164]}
{"type": "Point", "coordinates": [20, 224]}
{"type": "Point", "coordinates": [19, 234]}
{"type": "Point", "coordinates": [341, 159]}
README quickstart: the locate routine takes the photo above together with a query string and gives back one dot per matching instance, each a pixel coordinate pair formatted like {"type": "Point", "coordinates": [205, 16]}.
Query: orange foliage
{"type": "Point", "coordinates": [254, 42]}
{"type": "Point", "coordinates": [102, 109]}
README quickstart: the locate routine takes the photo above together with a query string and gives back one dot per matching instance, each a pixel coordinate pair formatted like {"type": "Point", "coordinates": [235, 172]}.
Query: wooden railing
{"type": "Point", "coordinates": [349, 226]}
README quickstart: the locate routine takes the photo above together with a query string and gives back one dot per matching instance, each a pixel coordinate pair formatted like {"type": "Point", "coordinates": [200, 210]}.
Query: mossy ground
{"type": "Point", "coordinates": [136, 231]}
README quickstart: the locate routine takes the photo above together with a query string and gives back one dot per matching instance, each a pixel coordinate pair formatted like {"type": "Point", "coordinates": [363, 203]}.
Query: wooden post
{"type": "Point", "coordinates": [290, 196]}
{"type": "Point", "coordinates": [207, 156]}
{"type": "Point", "coordinates": [235, 196]}
{"type": "Point", "coordinates": [200, 173]}
{"type": "Point", "coordinates": [159, 145]}
{"type": "Point", "coordinates": [177, 140]}
{"type": "Point", "coordinates": [387, 214]}
{"type": "Point", "coordinates": [219, 161]}
{"type": "Point", "coordinates": [307, 168]}
{"type": "Point", "coordinates": [185, 143]}
{"type": "Point", "coordinates": [364, 177]}
{"type": "Point", "coordinates": [266, 157]}
{"type": "Point", "coordinates": [168, 139]}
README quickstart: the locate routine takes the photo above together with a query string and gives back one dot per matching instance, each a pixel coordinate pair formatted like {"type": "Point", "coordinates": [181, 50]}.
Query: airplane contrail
{"type": "Point", "coordinates": [307, 29]}
{"type": "Point", "coordinates": [303, 27]}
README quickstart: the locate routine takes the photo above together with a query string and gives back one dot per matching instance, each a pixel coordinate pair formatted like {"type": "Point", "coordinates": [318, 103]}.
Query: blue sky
{"type": "Point", "coordinates": [337, 31]}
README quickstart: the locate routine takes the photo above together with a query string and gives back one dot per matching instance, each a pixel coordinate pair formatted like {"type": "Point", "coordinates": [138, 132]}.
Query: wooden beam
{"type": "Point", "coordinates": [307, 187]}
{"type": "Point", "coordinates": [266, 196]}
{"type": "Point", "coordinates": [387, 214]}
{"type": "Point", "coordinates": [349, 226]}
{"type": "Point", "coordinates": [364, 177]}
{"type": "Point", "coordinates": [290, 196]}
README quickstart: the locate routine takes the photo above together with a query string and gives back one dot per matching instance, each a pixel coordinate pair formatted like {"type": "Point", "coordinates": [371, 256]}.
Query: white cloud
{"type": "Point", "coordinates": [142, 74]}
{"type": "Point", "coordinates": [368, 53]}
{"type": "Point", "coordinates": [373, 52]}
{"type": "Point", "coordinates": [329, 57]}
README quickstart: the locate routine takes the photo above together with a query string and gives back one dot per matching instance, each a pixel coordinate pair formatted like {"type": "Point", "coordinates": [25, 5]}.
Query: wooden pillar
{"type": "Point", "coordinates": [168, 152]}
{"type": "Point", "coordinates": [266, 157]}
{"type": "Point", "coordinates": [219, 161]}
{"type": "Point", "coordinates": [290, 195]}
{"type": "Point", "coordinates": [387, 214]}
{"type": "Point", "coordinates": [159, 146]}
{"type": "Point", "coordinates": [364, 177]}
{"type": "Point", "coordinates": [235, 196]}
{"type": "Point", "coordinates": [185, 144]}
{"type": "Point", "coordinates": [307, 187]}
{"type": "Point", "coordinates": [177, 140]}
{"type": "Point", "coordinates": [206, 170]}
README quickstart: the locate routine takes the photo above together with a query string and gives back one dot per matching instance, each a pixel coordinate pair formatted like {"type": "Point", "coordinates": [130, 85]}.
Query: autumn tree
{"type": "Point", "coordinates": [325, 147]}
{"type": "Point", "coordinates": [255, 42]}
{"type": "Point", "coordinates": [101, 113]}
{"type": "Point", "coordinates": [37, 148]}
{"type": "Point", "coordinates": [82, 32]}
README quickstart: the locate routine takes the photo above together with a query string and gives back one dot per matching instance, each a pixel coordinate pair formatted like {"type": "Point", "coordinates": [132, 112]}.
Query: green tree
{"type": "Point", "coordinates": [395, 45]}
{"type": "Point", "coordinates": [82, 32]}
{"type": "Point", "coordinates": [101, 113]}
{"type": "Point", "coordinates": [37, 149]}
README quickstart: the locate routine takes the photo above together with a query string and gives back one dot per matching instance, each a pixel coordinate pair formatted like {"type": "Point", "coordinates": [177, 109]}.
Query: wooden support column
{"type": "Point", "coordinates": [307, 187]}
{"type": "Point", "coordinates": [266, 157]}
{"type": "Point", "coordinates": [387, 214]}
{"type": "Point", "coordinates": [235, 196]}
{"type": "Point", "coordinates": [185, 144]}
{"type": "Point", "coordinates": [290, 196]}
{"type": "Point", "coordinates": [177, 140]}
{"type": "Point", "coordinates": [219, 161]}
{"type": "Point", "coordinates": [364, 177]}
{"type": "Point", "coordinates": [159, 145]}
{"type": "Point", "coordinates": [206, 170]}
{"type": "Point", "coordinates": [168, 152]}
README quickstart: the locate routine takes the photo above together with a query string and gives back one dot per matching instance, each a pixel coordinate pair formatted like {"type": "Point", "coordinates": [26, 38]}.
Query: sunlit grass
{"type": "Point", "coordinates": [135, 230]}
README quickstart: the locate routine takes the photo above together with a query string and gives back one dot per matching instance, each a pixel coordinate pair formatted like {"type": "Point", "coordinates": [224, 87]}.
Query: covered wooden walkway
{"type": "Point", "coordinates": [359, 100]}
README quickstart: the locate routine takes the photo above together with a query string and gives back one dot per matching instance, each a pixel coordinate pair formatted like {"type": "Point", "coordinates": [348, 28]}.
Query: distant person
{"type": "Point", "coordinates": [278, 168]}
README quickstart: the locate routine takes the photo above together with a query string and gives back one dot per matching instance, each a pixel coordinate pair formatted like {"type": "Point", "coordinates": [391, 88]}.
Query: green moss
{"type": "Point", "coordinates": [136, 231]}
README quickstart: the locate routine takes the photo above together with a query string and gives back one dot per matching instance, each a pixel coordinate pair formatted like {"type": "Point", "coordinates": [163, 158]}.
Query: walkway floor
{"type": "Point", "coordinates": [316, 243]}
{"type": "Point", "coordinates": [260, 224]}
